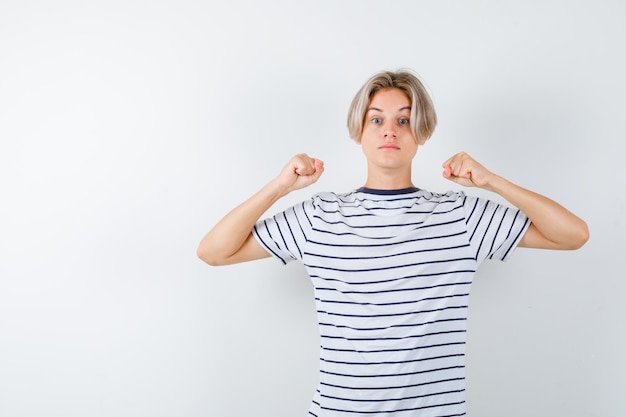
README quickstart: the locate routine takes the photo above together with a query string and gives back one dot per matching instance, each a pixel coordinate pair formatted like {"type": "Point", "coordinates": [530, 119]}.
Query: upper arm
{"type": "Point", "coordinates": [250, 250]}
{"type": "Point", "coordinates": [535, 240]}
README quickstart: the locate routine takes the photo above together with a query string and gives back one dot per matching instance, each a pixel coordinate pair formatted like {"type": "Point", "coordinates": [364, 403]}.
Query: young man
{"type": "Point", "coordinates": [391, 264]}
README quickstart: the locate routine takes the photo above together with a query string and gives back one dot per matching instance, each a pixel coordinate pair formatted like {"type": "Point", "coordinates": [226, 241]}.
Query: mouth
{"type": "Point", "coordinates": [389, 146]}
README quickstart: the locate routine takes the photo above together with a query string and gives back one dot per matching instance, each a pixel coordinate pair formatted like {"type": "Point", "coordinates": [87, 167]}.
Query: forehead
{"type": "Point", "coordinates": [389, 99]}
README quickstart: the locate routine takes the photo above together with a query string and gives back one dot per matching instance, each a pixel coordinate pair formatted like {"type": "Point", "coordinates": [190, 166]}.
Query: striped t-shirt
{"type": "Point", "coordinates": [392, 272]}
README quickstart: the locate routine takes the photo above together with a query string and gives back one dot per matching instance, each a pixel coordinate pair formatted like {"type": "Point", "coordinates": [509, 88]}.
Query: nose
{"type": "Point", "coordinates": [390, 132]}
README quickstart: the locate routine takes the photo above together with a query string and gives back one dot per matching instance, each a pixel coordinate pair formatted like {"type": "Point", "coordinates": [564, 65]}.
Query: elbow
{"type": "Point", "coordinates": [578, 237]}
{"type": "Point", "coordinates": [582, 236]}
{"type": "Point", "coordinates": [207, 256]}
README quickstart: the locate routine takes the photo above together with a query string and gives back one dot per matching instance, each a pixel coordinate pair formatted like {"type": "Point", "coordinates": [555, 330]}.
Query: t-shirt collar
{"type": "Point", "coordinates": [407, 190]}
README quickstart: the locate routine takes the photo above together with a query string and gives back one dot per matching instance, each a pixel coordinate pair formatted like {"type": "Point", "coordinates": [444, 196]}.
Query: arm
{"type": "Point", "coordinates": [552, 225]}
{"type": "Point", "coordinates": [231, 240]}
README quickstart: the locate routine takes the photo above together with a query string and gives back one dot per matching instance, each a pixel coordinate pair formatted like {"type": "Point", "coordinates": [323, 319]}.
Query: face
{"type": "Point", "coordinates": [387, 140]}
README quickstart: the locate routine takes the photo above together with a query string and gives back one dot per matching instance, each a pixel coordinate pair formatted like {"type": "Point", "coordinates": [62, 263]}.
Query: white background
{"type": "Point", "coordinates": [128, 128]}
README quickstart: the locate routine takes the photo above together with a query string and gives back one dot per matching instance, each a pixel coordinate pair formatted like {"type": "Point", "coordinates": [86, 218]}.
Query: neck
{"type": "Point", "coordinates": [388, 182]}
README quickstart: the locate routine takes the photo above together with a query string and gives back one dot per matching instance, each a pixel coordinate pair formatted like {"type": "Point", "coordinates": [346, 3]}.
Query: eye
{"type": "Point", "coordinates": [377, 120]}
{"type": "Point", "coordinates": [403, 121]}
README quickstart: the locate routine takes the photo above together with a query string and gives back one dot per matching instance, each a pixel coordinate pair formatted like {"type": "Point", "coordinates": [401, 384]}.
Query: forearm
{"type": "Point", "coordinates": [561, 228]}
{"type": "Point", "coordinates": [228, 236]}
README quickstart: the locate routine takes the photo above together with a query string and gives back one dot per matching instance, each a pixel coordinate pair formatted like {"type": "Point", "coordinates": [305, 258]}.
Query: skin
{"type": "Point", "coordinates": [389, 147]}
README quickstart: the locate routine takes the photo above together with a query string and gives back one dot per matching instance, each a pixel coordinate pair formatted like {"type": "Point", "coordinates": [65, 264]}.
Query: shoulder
{"type": "Point", "coordinates": [327, 198]}
{"type": "Point", "coordinates": [448, 196]}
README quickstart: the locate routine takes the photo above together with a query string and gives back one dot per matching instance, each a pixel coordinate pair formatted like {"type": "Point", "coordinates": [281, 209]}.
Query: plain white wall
{"type": "Point", "coordinates": [128, 128]}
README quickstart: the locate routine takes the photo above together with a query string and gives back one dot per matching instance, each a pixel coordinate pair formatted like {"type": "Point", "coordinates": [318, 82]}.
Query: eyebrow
{"type": "Point", "coordinates": [377, 109]}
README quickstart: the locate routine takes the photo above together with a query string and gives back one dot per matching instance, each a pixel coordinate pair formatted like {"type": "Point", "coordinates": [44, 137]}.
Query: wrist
{"type": "Point", "coordinates": [277, 189]}
{"type": "Point", "coordinates": [495, 184]}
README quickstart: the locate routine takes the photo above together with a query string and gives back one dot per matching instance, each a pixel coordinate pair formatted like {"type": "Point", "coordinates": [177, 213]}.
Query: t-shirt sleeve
{"type": "Point", "coordinates": [284, 235]}
{"type": "Point", "coordinates": [494, 229]}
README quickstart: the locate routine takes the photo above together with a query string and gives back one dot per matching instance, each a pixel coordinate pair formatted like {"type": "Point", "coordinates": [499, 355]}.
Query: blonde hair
{"type": "Point", "coordinates": [423, 117]}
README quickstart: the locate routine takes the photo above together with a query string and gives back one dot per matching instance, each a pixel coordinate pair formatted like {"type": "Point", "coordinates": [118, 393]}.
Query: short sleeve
{"type": "Point", "coordinates": [284, 235]}
{"type": "Point", "coordinates": [494, 229]}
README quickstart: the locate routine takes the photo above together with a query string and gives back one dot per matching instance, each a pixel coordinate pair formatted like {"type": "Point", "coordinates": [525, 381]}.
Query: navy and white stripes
{"type": "Point", "coordinates": [392, 273]}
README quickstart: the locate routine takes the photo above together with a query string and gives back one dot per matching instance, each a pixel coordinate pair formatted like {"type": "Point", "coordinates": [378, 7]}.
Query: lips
{"type": "Point", "coordinates": [389, 146]}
